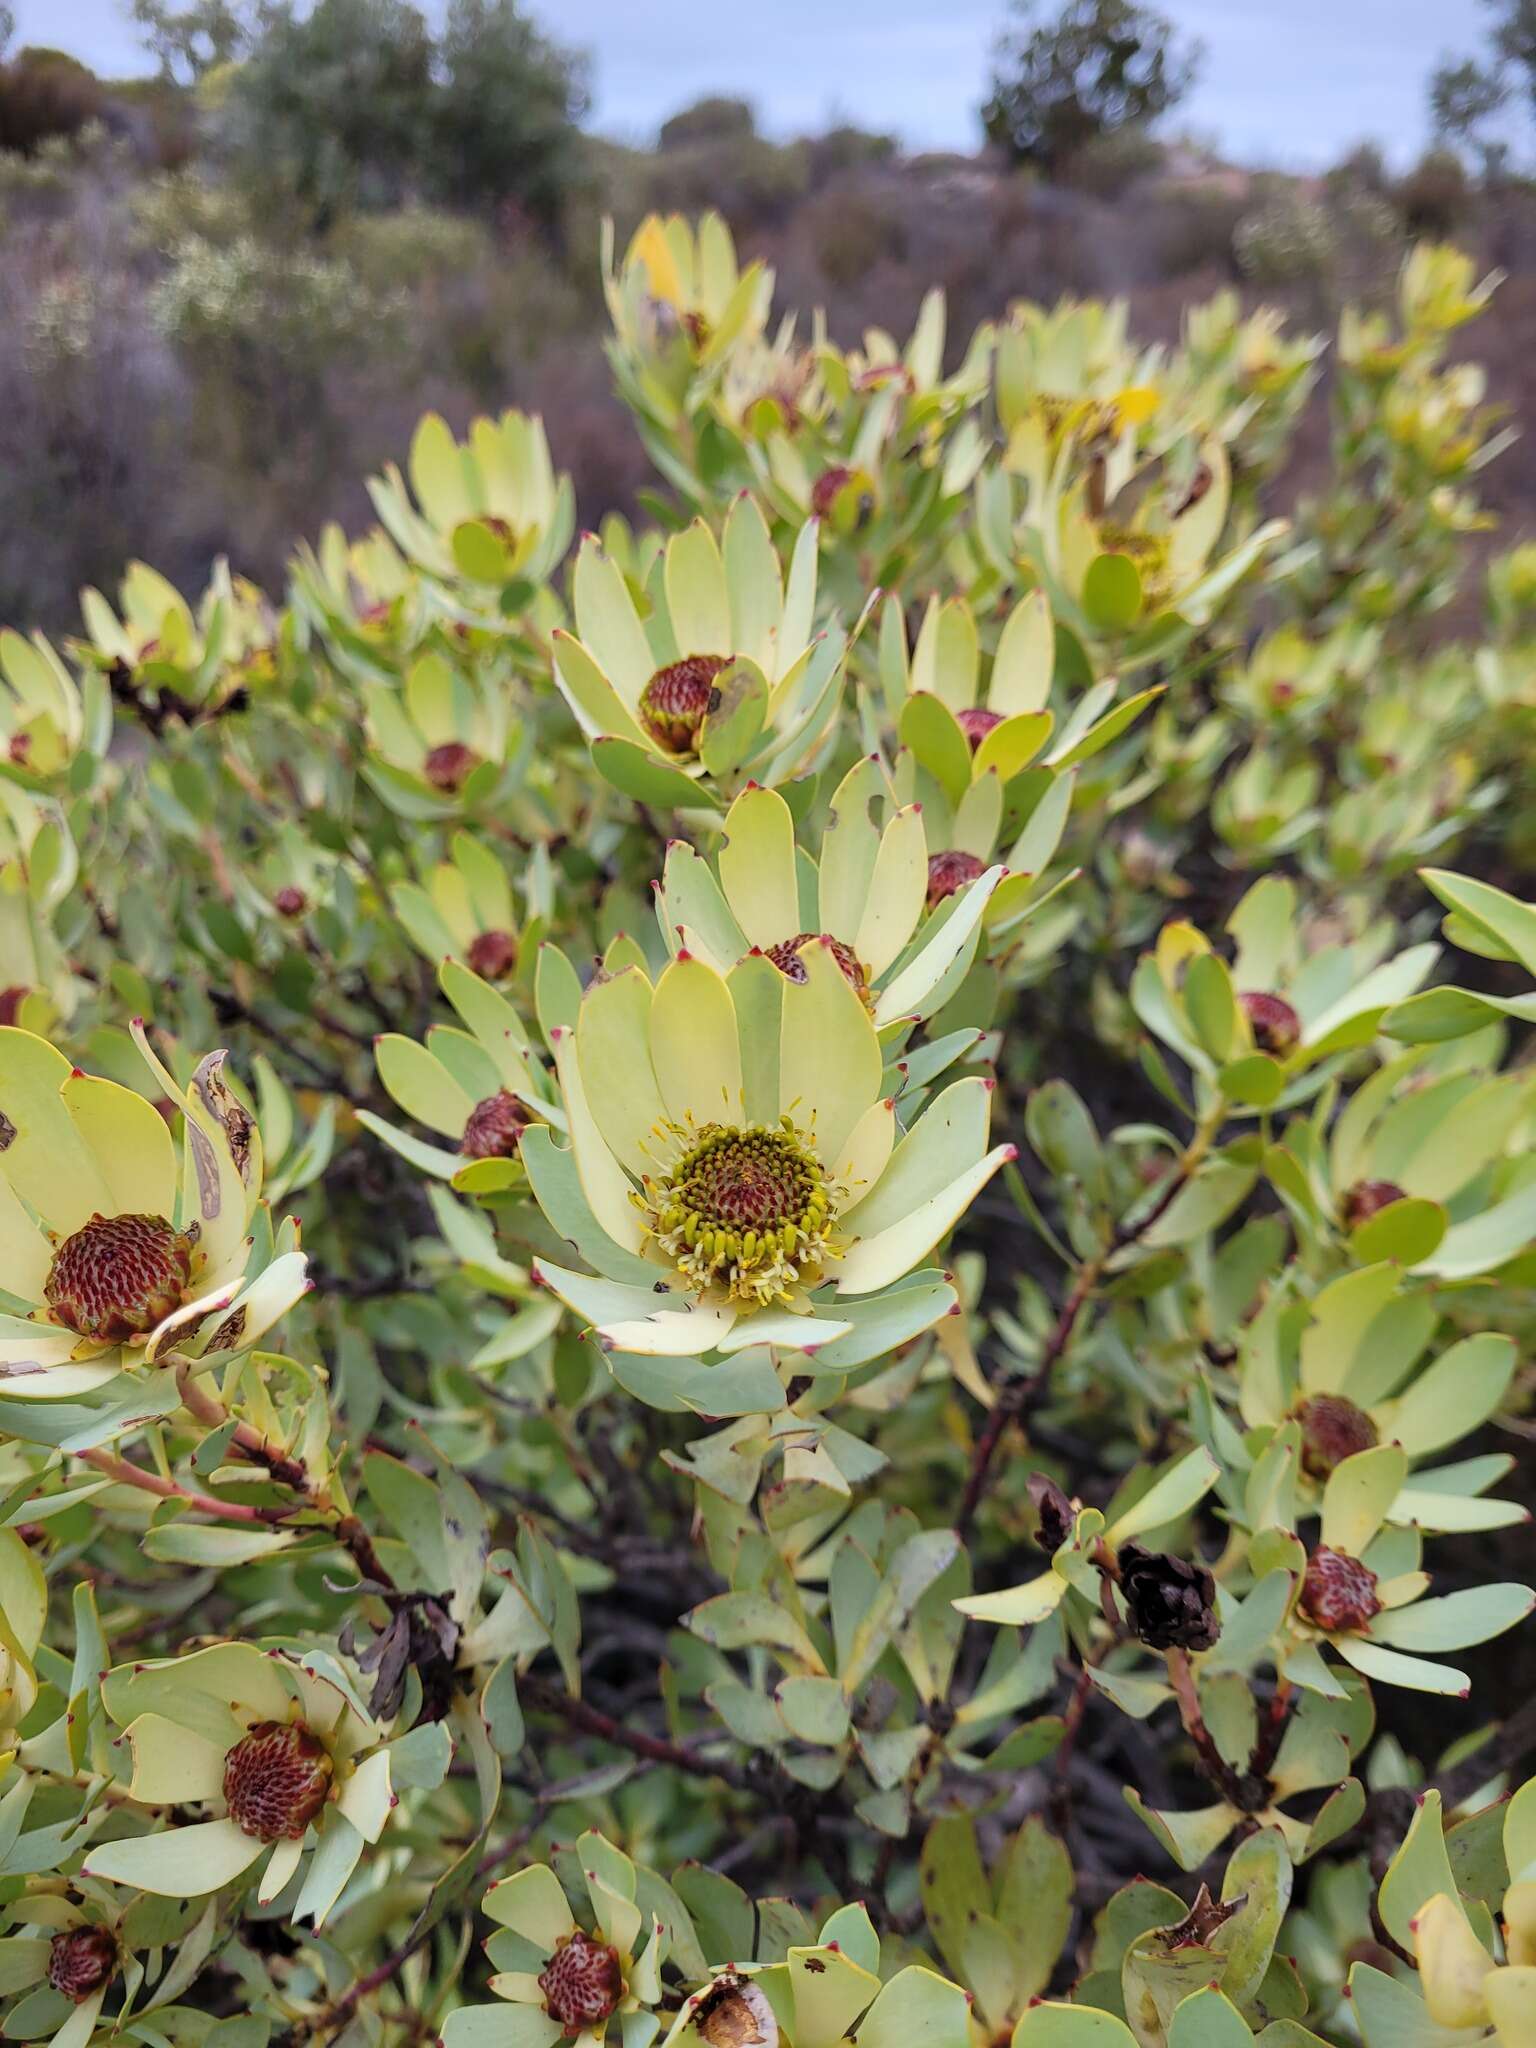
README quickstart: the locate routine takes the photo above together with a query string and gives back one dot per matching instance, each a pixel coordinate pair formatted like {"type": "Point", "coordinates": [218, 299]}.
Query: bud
{"type": "Point", "coordinates": [1057, 1516]}
{"type": "Point", "coordinates": [1519, 1912]}
{"type": "Point", "coordinates": [674, 702]}
{"type": "Point", "coordinates": [1276, 1026]}
{"type": "Point", "coordinates": [493, 955]}
{"type": "Point", "coordinates": [826, 487]}
{"type": "Point", "coordinates": [786, 957]}
{"type": "Point", "coordinates": [1367, 1198]}
{"type": "Point", "coordinates": [1332, 1429]}
{"type": "Point", "coordinates": [948, 872]}
{"type": "Point", "coordinates": [1170, 1604]}
{"type": "Point", "coordinates": [81, 1960]}
{"type": "Point", "coordinates": [290, 902]}
{"type": "Point", "coordinates": [1452, 1963]}
{"type": "Point", "coordinates": [1338, 1592]}
{"type": "Point", "coordinates": [118, 1276]}
{"type": "Point", "coordinates": [495, 1127]}
{"type": "Point", "coordinates": [276, 1779]}
{"type": "Point", "coordinates": [977, 723]}
{"type": "Point", "coordinates": [449, 766]}
{"type": "Point", "coordinates": [582, 1982]}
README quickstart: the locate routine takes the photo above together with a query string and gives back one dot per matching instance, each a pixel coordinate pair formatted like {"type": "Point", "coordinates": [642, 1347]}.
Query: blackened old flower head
{"type": "Point", "coordinates": [1170, 1603]}
{"type": "Point", "coordinates": [1057, 1517]}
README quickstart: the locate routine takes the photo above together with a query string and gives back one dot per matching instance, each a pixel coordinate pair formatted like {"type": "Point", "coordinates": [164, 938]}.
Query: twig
{"type": "Point", "coordinates": [285, 1471]}
{"type": "Point", "coordinates": [536, 1692]}
{"type": "Point", "coordinates": [124, 1473]}
{"type": "Point", "coordinates": [1235, 1787]}
{"type": "Point", "coordinates": [1017, 1395]}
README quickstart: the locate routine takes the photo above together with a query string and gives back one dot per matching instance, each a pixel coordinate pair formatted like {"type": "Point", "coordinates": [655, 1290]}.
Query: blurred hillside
{"type": "Point", "coordinates": [217, 311]}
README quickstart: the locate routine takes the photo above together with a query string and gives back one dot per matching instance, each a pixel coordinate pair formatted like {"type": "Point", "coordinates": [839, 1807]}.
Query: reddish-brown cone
{"type": "Point", "coordinates": [1338, 1592]}
{"type": "Point", "coordinates": [290, 902]}
{"type": "Point", "coordinates": [948, 872]}
{"type": "Point", "coordinates": [81, 1960]}
{"type": "Point", "coordinates": [11, 1000]}
{"type": "Point", "coordinates": [674, 702]}
{"type": "Point", "coordinates": [1367, 1198]}
{"type": "Point", "coordinates": [449, 766]}
{"type": "Point", "coordinates": [786, 957]}
{"type": "Point", "coordinates": [493, 955]}
{"type": "Point", "coordinates": [977, 723]}
{"type": "Point", "coordinates": [1276, 1026]}
{"type": "Point", "coordinates": [276, 1779]}
{"type": "Point", "coordinates": [118, 1276]}
{"type": "Point", "coordinates": [826, 487]}
{"type": "Point", "coordinates": [1332, 1429]}
{"type": "Point", "coordinates": [495, 1127]}
{"type": "Point", "coordinates": [582, 1982]}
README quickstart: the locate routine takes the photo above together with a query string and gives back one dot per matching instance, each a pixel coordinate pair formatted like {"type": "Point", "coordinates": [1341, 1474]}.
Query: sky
{"type": "Point", "coordinates": [1292, 83]}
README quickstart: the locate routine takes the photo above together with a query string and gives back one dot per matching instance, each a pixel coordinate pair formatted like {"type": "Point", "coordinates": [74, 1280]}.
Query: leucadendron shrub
{"type": "Point", "coordinates": [768, 1277]}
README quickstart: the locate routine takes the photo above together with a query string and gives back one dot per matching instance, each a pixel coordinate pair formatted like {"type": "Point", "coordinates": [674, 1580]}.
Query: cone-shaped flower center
{"type": "Point", "coordinates": [290, 901]}
{"type": "Point", "coordinates": [674, 701]}
{"type": "Point", "coordinates": [948, 872]}
{"type": "Point", "coordinates": [1275, 1024]}
{"type": "Point", "coordinates": [786, 957]}
{"type": "Point", "coordinates": [81, 1960]}
{"type": "Point", "coordinates": [1332, 1429]}
{"type": "Point", "coordinates": [276, 1779]}
{"type": "Point", "coordinates": [493, 955]}
{"type": "Point", "coordinates": [449, 766]}
{"type": "Point", "coordinates": [745, 1212]}
{"type": "Point", "coordinates": [1367, 1198]}
{"type": "Point", "coordinates": [1338, 1592]}
{"type": "Point", "coordinates": [118, 1276]}
{"type": "Point", "coordinates": [495, 1128]}
{"type": "Point", "coordinates": [977, 722]}
{"type": "Point", "coordinates": [582, 1982]}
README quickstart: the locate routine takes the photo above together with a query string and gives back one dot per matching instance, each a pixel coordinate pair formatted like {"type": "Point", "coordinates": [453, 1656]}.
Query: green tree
{"type": "Point", "coordinates": [1465, 93]}
{"type": "Point", "coordinates": [1096, 68]}
{"type": "Point", "coordinates": [716, 118]}
{"type": "Point", "coordinates": [334, 109]}
{"type": "Point", "coordinates": [190, 39]}
{"type": "Point", "coordinates": [505, 110]}
{"type": "Point", "coordinates": [355, 104]}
